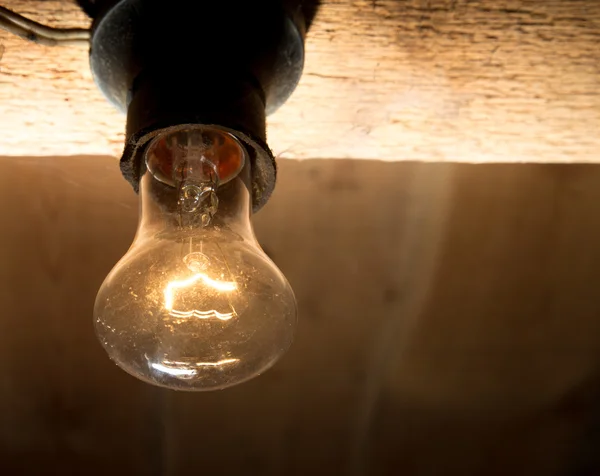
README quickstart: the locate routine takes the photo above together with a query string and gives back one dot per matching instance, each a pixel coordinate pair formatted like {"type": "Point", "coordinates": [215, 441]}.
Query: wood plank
{"type": "Point", "coordinates": [66, 407]}
{"type": "Point", "coordinates": [449, 324]}
{"type": "Point", "coordinates": [443, 80]}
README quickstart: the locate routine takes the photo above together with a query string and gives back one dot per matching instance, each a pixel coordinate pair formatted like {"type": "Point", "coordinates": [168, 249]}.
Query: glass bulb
{"type": "Point", "coordinates": [195, 304]}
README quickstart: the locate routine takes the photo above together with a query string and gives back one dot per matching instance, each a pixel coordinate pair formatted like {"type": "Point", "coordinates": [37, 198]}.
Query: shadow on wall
{"type": "Point", "coordinates": [449, 321]}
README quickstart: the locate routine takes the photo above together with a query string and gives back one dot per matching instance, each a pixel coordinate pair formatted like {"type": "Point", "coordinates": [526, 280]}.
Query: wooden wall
{"type": "Point", "coordinates": [449, 324]}
{"type": "Point", "coordinates": [442, 80]}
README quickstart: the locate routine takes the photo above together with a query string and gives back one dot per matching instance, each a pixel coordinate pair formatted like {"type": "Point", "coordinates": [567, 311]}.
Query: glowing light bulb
{"type": "Point", "coordinates": [195, 304]}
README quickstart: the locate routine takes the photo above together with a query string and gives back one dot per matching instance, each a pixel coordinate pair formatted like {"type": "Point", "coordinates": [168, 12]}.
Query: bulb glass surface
{"type": "Point", "coordinates": [195, 304]}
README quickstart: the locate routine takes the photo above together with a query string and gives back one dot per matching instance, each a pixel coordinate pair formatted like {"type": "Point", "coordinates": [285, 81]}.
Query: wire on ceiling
{"type": "Point", "coordinates": [37, 33]}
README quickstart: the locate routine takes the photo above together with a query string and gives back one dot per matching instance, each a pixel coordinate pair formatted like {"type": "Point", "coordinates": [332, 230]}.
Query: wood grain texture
{"type": "Point", "coordinates": [449, 323]}
{"type": "Point", "coordinates": [443, 80]}
{"type": "Point", "coordinates": [65, 409]}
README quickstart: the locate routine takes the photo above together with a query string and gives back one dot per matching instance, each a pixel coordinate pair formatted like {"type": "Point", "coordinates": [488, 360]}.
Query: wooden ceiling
{"type": "Point", "coordinates": [443, 80]}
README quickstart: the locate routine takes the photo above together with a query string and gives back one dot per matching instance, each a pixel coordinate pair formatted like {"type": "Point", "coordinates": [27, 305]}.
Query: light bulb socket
{"type": "Point", "coordinates": [225, 63]}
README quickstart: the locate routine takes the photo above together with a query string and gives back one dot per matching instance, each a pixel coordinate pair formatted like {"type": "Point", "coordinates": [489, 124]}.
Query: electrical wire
{"type": "Point", "coordinates": [41, 34]}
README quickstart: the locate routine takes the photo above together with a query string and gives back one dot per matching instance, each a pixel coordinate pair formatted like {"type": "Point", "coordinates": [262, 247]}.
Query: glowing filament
{"type": "Point", "coordinates": [224, 316]}
{"type": "Point", "coordinates": [173, 286]}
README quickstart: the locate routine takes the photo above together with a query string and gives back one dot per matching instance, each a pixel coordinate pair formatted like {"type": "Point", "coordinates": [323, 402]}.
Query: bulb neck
{"type": "Point", "coordinates": [162, 217]}
{"type": "Point", "coordinates": [197, 181]}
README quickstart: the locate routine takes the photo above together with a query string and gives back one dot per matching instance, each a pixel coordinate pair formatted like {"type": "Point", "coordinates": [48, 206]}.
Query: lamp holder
{"type": "Point", "coordinates": [225, 63]}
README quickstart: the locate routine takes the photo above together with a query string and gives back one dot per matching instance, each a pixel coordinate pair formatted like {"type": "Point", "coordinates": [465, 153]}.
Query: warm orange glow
{"type": "Point", "coordinates": [221, 286]}
{"type": "Point", "coordinates": [168, 157]}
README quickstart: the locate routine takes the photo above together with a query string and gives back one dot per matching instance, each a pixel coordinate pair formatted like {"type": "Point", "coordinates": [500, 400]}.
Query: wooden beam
{"type": "Point", "coordinates": [447, 80]}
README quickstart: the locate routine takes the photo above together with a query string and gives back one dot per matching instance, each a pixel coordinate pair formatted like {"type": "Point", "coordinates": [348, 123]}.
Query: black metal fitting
{"type": "Point", "coordinates": [226, 63]}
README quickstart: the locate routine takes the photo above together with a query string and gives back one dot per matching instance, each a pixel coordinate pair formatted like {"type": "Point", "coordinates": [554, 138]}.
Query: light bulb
{"type": "Point", "coordinates": [195, 304]}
